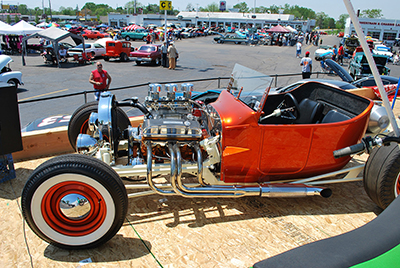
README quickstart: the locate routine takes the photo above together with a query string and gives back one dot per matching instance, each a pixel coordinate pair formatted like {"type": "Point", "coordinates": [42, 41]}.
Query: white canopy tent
{"type": "Point", "coordinates": [55, 35]}
{"type": "Point", "coordinates": [4, 26]}
{"type": "Point", "coordinates": [20, 28]}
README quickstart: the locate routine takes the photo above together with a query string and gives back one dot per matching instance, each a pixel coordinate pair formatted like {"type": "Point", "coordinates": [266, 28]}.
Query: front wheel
{"type": "Point", "coordinates": [79, 122]}
{"type": "Point", "coordinates": [53, 193]}
{"type": "Point", "coordinates": [13, 82]}
{"type": "Point", "coordinates": [124, 57]}
{"type": "Point", "coordinates": [381, 175]}
{"type": "Point", "coordinates": [127, 38]}
{"type": "Point", "coordinates": [106, 58]}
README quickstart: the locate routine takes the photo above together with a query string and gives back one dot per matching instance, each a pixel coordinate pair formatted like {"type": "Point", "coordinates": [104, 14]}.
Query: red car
{"type": "Point", "coordinates": [117, 49]}
{"type": "Point", "coordinates": [150, 53]}
{"type": "Point", "coordinates": [249, 142]}
{"type": "Point", "coordinates": [94, 34]}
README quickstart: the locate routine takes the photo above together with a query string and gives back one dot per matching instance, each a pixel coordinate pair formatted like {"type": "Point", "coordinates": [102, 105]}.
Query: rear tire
{"type": "Point", "coordinates": [381, 175]}
{"type": "Point", "coordinates": [96, 186]}
{"type": "Point", "coordinates": [138, 62]}
{"type": "Point", "coordinates": [106, 58]}
{"type": "Point", "coordinates": [78, 123]}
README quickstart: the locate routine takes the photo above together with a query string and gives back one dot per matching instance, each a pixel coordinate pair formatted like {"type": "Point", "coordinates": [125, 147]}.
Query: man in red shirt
{"type": "Point", "coordinates": [99, 79]}
{"type": "Point", "coordinates": [341, 54]}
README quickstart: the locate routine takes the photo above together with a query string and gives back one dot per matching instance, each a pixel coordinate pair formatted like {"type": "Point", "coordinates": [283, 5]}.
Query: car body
{"type": "Point", "coordinates": [150, 53]}
{"type": "Point", "coordinates": [230, 38]}
{"type": "Point", "coordinates": [323, 52]}
{"type": "Point", "coordinates": [359, 67]}
{"type": "Point", "coordinates": [350, 44]}
{"type": "Point", "coordinates": [94, 34]}
{"type": "Point", "coordinates": [117, 49]}
{"type": "Point", "coordinates": [384, 51]}
{"type": "Point", "coordinates": [95, 48]}
{"type": "Point", "coordinates": [66, 45]}
{"type": "Point", "coordinates": [140, 34]}
{"type": "Point", "coordinates": [231, 148]}
{"type": "Point", "coordinates": [369, 81]}
{"type": "Point", "coordinates": [6, 74]}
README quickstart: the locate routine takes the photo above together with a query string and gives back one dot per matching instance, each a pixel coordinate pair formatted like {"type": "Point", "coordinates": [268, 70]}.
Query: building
{"type": "Point", "coordinates": [122, 20]}
{"type": "Point", "coordinates": [382, 29]}
{"type": "Point", "coordinates": [243, 20]}
{"type": "Point", "coordinates": [212, 19]}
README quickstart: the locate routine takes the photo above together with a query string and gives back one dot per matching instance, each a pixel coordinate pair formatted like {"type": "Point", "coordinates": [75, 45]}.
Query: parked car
{"type": "Point", "coordinates": [6, 74]}
{"type": "Point", "coordinates": [140, 34]}
{"type": "Point", "coordinates": [95, 48]}
{"type": "Point", "coordinates": [369, 81]}
{"type": "Point", "coordinates": [66, 45]}
{"type": "Point", "coordinates": [384, 51]}
{"type": "Point", "coordinates": [94, 34]}
{"type": "Point", "coordinates": [359, 67]}
{"type": "Point", "coordinates": [117, 49]}
{"type": "Point", "coordinates": [150, 53]}
{"type": "Point", "coordinates": [230, 38]}
{"type": "Point", "coordinates": [323, 52]}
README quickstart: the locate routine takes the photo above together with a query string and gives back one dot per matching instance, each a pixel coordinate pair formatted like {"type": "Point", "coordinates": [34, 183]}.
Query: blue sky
{"type": "Point", "coordinates": [333, 8]}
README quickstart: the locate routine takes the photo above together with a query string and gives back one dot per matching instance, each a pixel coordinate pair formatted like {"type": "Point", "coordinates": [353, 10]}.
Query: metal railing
{"type": "Point", "coordinates": [86, 92]}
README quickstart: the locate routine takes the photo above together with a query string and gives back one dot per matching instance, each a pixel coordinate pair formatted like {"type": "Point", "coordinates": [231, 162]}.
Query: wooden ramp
{"type": "Point", "coordinates": [181, 232]}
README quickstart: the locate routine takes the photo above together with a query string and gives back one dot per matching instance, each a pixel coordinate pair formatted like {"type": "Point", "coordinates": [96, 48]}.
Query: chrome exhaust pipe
{"type": "Point", "coordinates": [262, 190]}
{"type": "Point", "coordinates": [150, 172]}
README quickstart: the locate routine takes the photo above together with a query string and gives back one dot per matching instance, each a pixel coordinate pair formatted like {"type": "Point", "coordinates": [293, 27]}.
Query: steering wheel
{"type": "Point", "coordinates": [289, 107]}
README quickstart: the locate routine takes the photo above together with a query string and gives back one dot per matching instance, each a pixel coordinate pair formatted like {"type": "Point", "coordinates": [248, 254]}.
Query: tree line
{"type": "Point", "coordinates": [323, 21]}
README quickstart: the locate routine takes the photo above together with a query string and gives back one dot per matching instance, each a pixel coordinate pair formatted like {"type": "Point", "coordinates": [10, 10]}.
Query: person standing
{"type": "Point", "coordinates": [298, 49]}
{"type": "Point", "coordinates": [335, 53]}
{"type": "Point", "coordinates": [340, 54]}
{"type": "Point", "coordinates": [100, 79]}
{"type": "Point", "coordinates": [164, 52]}
{"type": "Point", "coordinates": [172, 56]}
{"type": "Point", "coordinates": [306, 64]}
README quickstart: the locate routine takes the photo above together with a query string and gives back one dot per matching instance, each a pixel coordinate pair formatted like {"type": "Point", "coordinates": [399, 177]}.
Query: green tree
{"type": "Point", "coordinates": [341, 22]}
{"type": "Point", "coordinates": [320, 18]}
{"type": "Point", "coordinates": [8, 19]}
{"type": "Point", "coordinates": [213, 7]}
{"type": "Point", "coordinates": [190, 7]}
{"type": "Point", "coordinates": [242, 7]}
{"type": "Point", "coordinates": [23, 9]}
{"type": "Point", "coordinates": [16, 19]}
{"type": "Point", "coordinates": [371, 13]}
{"type": "Point", "coordinates": [36, 18]}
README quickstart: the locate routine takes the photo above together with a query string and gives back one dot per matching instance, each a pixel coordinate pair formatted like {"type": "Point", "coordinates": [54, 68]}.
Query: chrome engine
{"type": "Point", "coordinates": [178, 136]}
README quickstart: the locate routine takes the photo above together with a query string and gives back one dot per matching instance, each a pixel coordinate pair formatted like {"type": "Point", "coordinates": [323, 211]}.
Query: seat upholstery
{"type": "Point", "coordinates": [334, 116]}
{"type": "Point", "coordinates": [310, 112]}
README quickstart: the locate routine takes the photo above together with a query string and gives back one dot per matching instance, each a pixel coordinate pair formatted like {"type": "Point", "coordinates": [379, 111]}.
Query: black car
{"type": "Point", "coordinates": [370, 81]}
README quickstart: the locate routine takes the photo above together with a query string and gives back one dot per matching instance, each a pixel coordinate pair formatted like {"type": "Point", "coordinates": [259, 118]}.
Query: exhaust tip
{"type": "Point", "coordinates": [326, 193]}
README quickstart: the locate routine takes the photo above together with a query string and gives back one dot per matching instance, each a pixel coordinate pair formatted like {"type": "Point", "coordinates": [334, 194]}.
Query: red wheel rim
{"type": "Point", "coordinates": [84, 127]}
{"type": "Point", "coordinates": [59, 222]}
{"type": "Point", "coordinates": [397, 186]}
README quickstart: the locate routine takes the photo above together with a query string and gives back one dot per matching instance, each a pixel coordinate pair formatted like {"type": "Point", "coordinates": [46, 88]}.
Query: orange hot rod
{"type": "Point", "coordinates": [249, 142]}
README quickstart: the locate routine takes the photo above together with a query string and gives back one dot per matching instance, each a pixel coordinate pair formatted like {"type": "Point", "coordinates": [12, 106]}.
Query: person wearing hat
{"type": "Point", "coordinates": [172, 55]}
{"type": "Point", "coordinates": [164, 52]}
{"type": "Point", "coordinates": [306, 63]}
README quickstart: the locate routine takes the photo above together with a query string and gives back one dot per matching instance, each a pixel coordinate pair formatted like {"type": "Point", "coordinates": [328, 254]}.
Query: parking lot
{"type": "Point", "coordinates": [168, 231]}
{"type": "Point", "coordinates": [199, 58]}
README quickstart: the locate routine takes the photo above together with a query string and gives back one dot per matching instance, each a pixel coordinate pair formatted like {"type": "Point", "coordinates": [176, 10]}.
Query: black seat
{"type": "Point", "coordinates": [334, 116]}
{"type": "Point", "coordinates": [310, 112]}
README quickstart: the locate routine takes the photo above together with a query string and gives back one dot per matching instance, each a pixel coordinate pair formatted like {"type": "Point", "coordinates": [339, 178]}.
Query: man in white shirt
{"type": "Point", "coordinates": [298, 49]}
{"type": "Point", "coordinates": [63, 53]}
{"type": "Point", "coordinates": [306, 64]}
